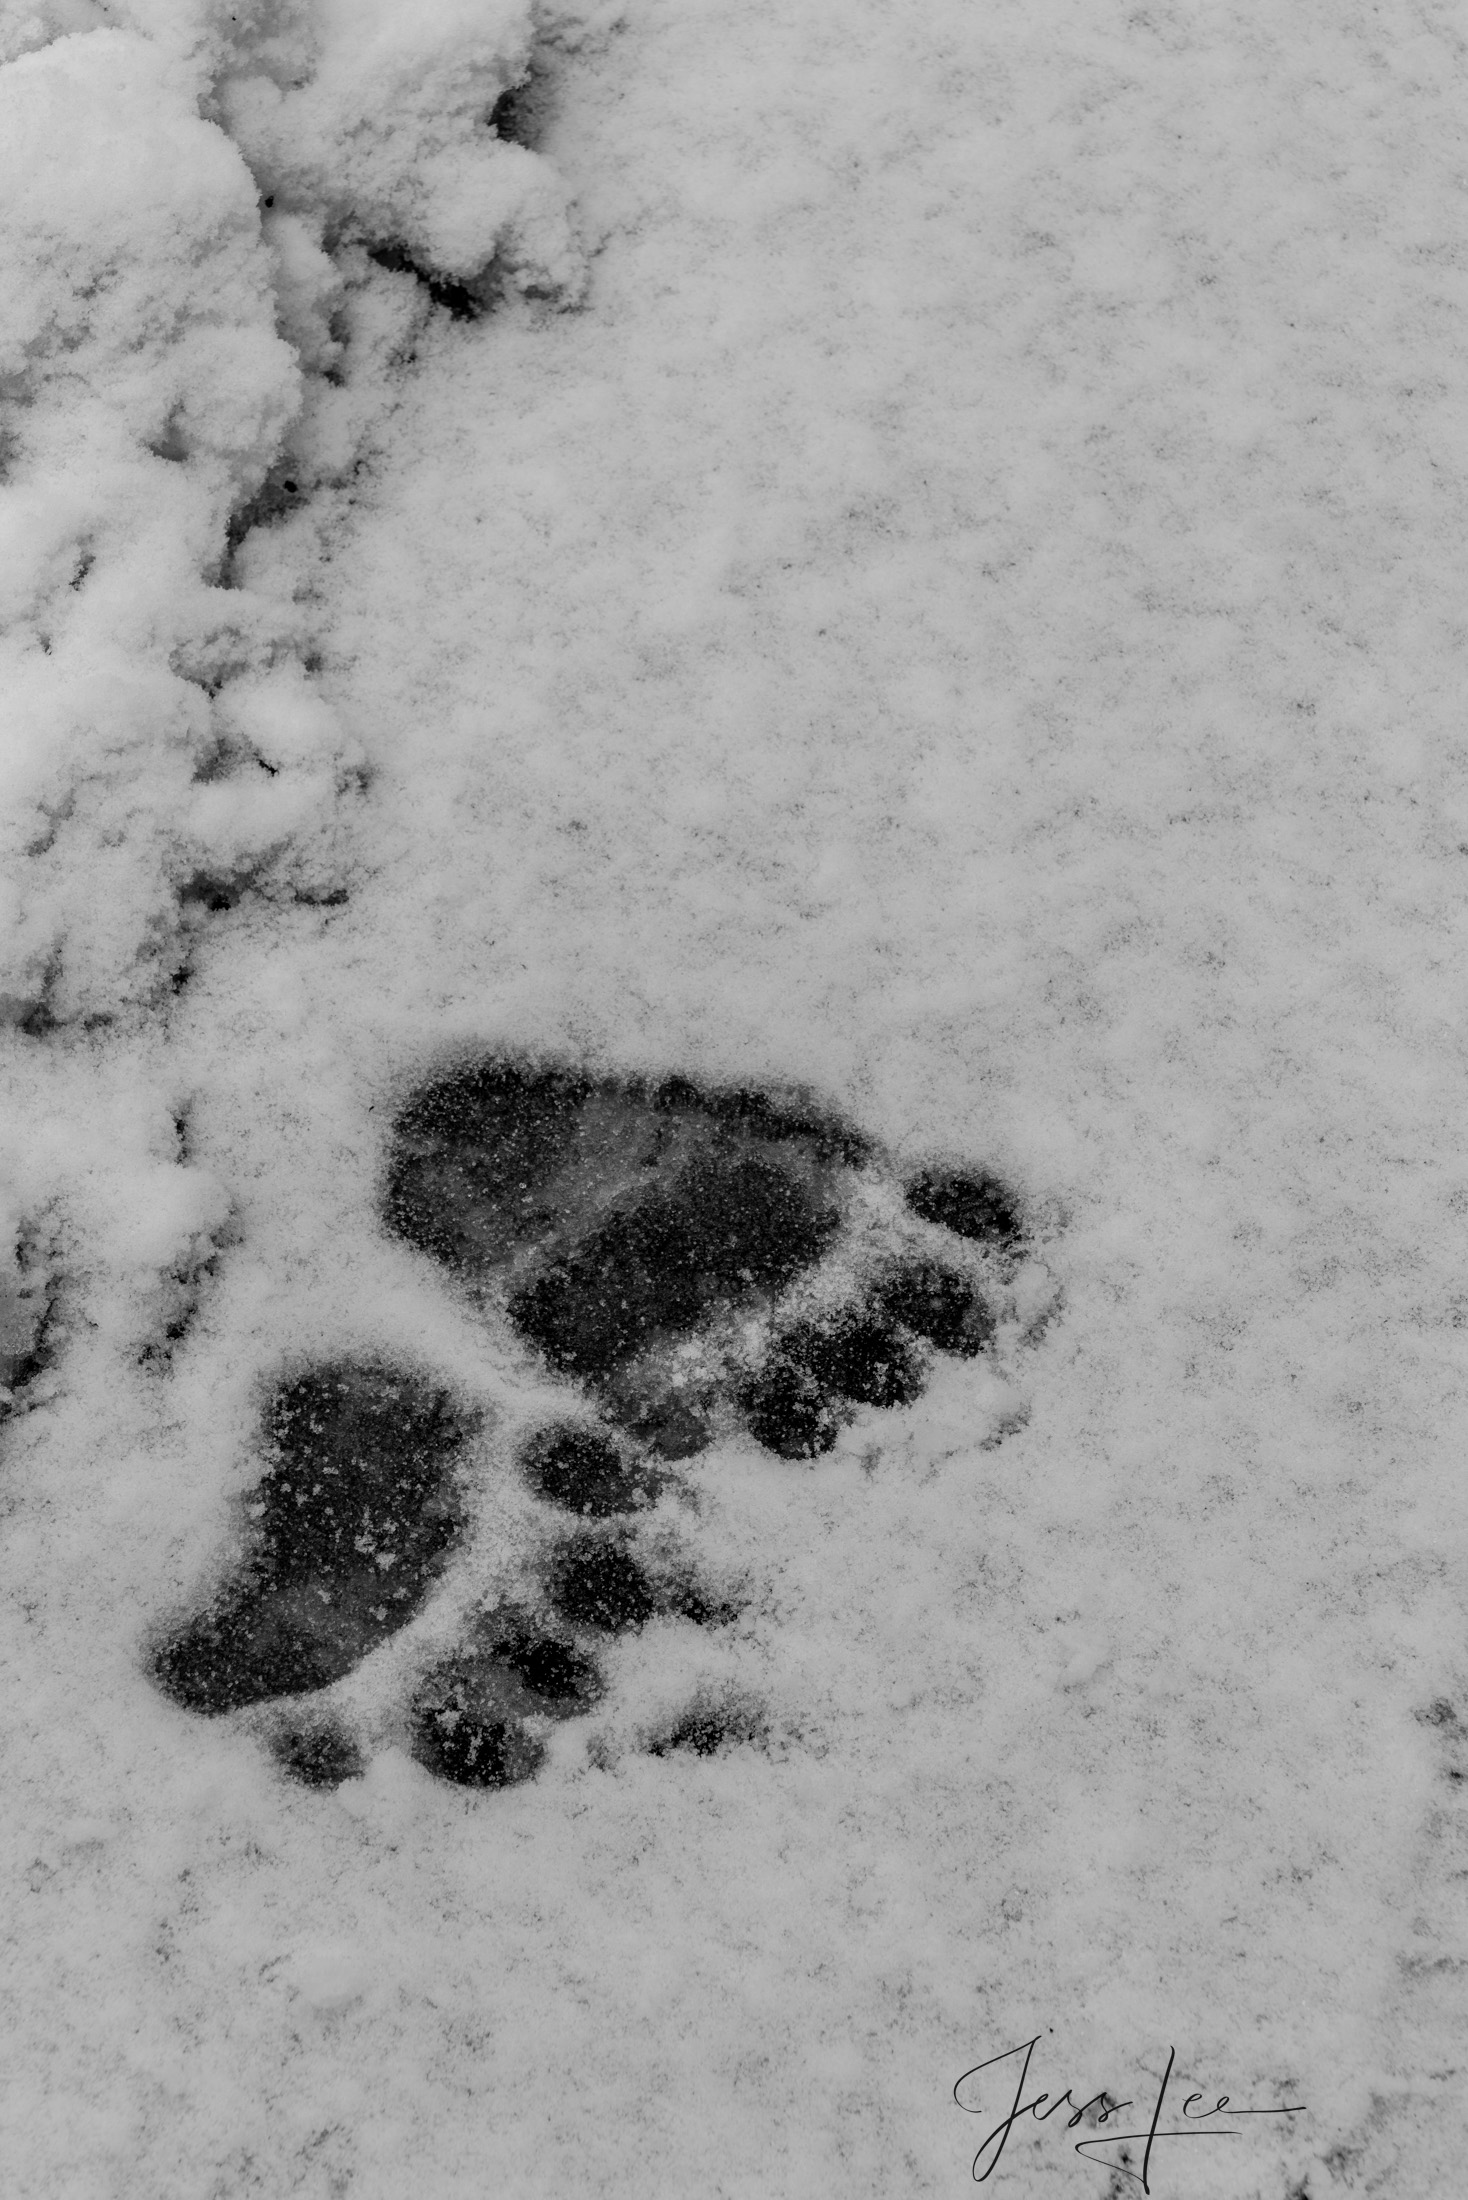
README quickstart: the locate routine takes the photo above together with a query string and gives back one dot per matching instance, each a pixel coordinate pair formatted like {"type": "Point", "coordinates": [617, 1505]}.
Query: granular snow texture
{"type": "Point", "coordinates": [954, 617]}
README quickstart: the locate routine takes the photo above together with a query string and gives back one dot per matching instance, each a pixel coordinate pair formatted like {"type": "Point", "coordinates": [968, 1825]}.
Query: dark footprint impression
{"type": "Point", "coordinates": [632, 1233]}
{"type": "Point", "coordinates": [660, 1248]}
{"type": "Point", "coordinates": [470, 1713]}
{"type": "Point", "coordinates": [351, 1524]}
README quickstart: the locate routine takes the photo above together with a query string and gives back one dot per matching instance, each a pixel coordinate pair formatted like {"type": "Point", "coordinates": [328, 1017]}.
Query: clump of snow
{"type": "Point", "coordinates": [148, 394]}
{"type": "Point", "coordinates": [367, 119]}
{"type": "Point", "coordinates": [166, 340]}
{"type": "Point", "coordinates": [139, 307]}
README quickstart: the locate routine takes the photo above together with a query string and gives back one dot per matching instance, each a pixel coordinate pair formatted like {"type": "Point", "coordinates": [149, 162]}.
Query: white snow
{"type": "Point", "coordinates": [151, 392]}
{"type": "Point", "coordinates": [963, 614]}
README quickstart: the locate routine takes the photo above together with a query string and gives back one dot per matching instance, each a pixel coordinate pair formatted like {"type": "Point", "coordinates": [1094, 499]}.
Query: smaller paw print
{"type": "Point", "coordinates": [694, 1267]}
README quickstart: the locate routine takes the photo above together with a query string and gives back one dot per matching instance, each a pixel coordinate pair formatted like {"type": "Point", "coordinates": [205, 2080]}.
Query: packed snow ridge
{"type": "Point", "coordinates": [224, 227]}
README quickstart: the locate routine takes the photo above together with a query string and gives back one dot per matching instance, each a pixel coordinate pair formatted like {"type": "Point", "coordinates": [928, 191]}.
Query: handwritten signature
{"type": "Point", "coordinates": [1105, 2109]}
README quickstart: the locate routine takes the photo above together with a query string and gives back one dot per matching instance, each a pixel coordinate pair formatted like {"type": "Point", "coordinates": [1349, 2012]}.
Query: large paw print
{"type": "Point", "coordinates": [695, 1267]}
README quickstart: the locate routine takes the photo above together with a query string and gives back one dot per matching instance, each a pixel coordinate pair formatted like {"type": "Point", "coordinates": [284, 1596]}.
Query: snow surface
{"type": "Point", "coordinates": [958, 609]}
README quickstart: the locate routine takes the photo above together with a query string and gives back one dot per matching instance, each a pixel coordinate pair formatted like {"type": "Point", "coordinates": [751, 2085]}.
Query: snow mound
{"type": "Point", "coordinates": [167, 340]}
{"type": "Point", "coordinates": [368, 119]}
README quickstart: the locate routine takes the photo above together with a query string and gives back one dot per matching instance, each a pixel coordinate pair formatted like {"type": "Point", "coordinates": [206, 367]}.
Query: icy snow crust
{"type": "Point", "coordinates": [960, 621]}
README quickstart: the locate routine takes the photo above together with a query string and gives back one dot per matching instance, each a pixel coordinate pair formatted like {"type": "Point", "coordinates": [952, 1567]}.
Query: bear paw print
{"type": "Point", "coordinates": [696, 1266]}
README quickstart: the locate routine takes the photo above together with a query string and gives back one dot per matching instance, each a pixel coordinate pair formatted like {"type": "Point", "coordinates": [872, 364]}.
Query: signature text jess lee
{"type": "Point", "coordinates": [1195, 2119]}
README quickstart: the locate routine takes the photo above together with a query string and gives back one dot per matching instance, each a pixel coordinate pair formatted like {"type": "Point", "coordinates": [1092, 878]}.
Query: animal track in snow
{"type": "Point", "coordinates": [696, 1266]}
